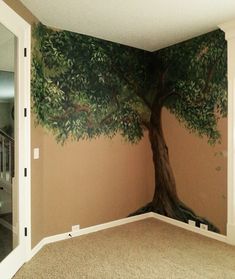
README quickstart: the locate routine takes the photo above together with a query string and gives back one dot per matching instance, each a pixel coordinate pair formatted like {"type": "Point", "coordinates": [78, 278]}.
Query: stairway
{"type": "Point", "coordinates": [6, 172]}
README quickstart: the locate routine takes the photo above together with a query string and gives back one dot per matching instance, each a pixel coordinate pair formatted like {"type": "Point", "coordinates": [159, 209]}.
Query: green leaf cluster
{"type": "Point", "coordinates": [84, 87]}
{"type": "Point", "coordinates": [197, 79]}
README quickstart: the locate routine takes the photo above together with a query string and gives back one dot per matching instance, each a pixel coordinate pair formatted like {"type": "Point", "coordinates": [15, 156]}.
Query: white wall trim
{"type": "Point", "coordinates": [112, 224]}
{"type": "Point", "coordinates": [36, 249]}
{"type": "Point", "coordinates": [22, 30]}
{"type": "Point", "coordinates": [188, 227]}
{"type": "Point", "coordinates": [92, 229]}
{"type": "Point", "coordinates": [229, 29]}
{"type": "Point", "coordinates": [231, 233]}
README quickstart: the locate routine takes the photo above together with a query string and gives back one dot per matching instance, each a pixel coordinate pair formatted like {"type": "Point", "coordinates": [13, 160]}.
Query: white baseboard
{"type": "Point", "coordinates": [127, 220]}
{"type": "Point", "coordinates": [188, 227]}
{"type": "Point", "coordinates": [36, 249]}
{"type": "Point", "coordinates": [111, 224]}
{"type": "Point", "coordinates": [87, 230]}
{"type": "Point", "coordinates": [231, 233]}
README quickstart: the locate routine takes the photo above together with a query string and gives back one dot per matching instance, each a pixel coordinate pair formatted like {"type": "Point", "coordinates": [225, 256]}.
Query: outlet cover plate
{"type": "Point", "coordinates": [204, 226]}
{"type": "Point", "coordinates": [192, 223]}
{"type": "Point", "coordinates": [36, 153]}
{"type": "Point", "coordinates": [75, 228]}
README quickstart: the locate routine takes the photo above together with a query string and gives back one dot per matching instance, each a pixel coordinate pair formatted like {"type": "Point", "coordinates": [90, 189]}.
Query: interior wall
{"type": "Point", "coordinates": [68, 107]}
{"type": "Point", "coordinates": [69, 186]}
{"type": "Point", "coordinates": [200, 170]}
{"type": "Point", "coordinates": [21, 10]}
{"type": "Point", "coordinates": [93, 179]}
{"type": "Point", "coordinates": [37, 187]}
{"type": "Point", "coordinates": [190, 156]}
{"type": "Point", "coordinates": [92, 182]}
{"type": "Point", "coordinates": [60, 201]}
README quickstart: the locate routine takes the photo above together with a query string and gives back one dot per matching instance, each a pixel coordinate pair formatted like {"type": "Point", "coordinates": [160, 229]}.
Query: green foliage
{"type": "Point", "coordinates": [196, 82]}
{"type": "Point", "coordinates": [84, 87]}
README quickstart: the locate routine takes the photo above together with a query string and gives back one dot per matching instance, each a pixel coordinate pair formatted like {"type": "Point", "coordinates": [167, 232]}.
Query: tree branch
{"type": "Point", "coordinates": [146, 124]}
{"type": "Point", "coordinates": [142, 97]}
{"type": "Point", "coordinates": [211, 72]}
{"type": "Point", "coordinates": [165, 97]}
{"type": "Point", "coordinates": [74, 109]}
{"type": "Point", "coordinates": [78, 108]}
{"type": "Point", "coordinates": [160, 89]}
{"type": "Point", "coordinates": [196, 103]}
{"type": "Point", "coordinates": [130, 83]}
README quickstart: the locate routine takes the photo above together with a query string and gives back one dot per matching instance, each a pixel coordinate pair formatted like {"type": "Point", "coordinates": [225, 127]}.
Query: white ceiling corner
{"type": "Point", "coordinates": [149, 25]}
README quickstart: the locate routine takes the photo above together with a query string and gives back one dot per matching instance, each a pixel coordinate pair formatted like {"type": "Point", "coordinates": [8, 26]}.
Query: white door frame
{"type": "Point", "coordinates": [229, 29]}
{"type": "Point", "coordinates": [22, 30]}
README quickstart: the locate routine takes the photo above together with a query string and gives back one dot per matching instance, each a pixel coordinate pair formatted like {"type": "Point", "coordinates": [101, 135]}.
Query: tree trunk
{"type": "Point", "coordinates": [165, 199]}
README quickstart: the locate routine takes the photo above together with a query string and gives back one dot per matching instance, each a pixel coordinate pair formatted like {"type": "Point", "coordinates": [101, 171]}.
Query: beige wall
{"type": "Point", "coordinates": [92, 182]}
{"type": "Point", "coordinates": [21, 10]}
{"type": "Point", "coordinates": [86, 182]}
{"type": "Point", "coordinates": [200, 171]}
{"type": "Point", "coordinates": [37, 185]}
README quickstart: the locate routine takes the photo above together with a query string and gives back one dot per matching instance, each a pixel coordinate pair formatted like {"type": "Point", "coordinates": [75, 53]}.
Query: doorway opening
{"type": "Point", "coordinates": [8, 206]}
{"type": "Point", "coordinates": [15, 209]}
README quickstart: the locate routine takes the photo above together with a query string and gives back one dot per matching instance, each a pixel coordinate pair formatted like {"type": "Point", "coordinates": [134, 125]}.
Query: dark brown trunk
{"type": "Point", "coordinates": [165, 200]}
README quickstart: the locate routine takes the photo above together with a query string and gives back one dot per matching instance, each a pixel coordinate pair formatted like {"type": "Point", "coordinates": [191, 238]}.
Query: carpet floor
{"type": "Point", "coordinates": [148, 249]}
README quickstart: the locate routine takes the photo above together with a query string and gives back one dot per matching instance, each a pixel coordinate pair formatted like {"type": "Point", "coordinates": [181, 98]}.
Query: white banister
{"type": "Point", "coordinates": [0, 156]}
{"type": "Point", "coordinates": [10, 163]}
{"type": "Point", "coordinates": [6, 158]}
{"type": "Point", "coordinates": [4, 163]}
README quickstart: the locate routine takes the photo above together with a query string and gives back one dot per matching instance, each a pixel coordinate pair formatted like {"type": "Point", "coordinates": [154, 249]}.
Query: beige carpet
{"type": "Point", "coordinates": [146, 249]}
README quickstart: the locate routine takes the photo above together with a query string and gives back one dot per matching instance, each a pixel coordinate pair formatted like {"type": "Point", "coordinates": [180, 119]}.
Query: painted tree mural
{"type": "Point", "coordinates": [84, 87]}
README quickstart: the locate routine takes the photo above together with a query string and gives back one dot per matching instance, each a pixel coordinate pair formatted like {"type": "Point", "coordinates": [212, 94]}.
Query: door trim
{"type": "Point", "coordinates": [22, 30]}
{"type": "Point", "coordinates": [229, 30]}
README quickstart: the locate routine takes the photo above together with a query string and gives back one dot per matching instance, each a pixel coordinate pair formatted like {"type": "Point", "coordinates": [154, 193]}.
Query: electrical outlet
{"type": "Point", "coordinates": [36, 153]}
{"type": "Point", "coordinates": [204, 226]}
{"type": "Point", "coordinates": [75, 228]}
{"type": "Point", "coordinates": [192, 223]}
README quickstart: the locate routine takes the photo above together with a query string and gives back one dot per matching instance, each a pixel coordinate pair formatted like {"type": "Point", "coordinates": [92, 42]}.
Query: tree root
{"type": "Point", "coordinates": [145, 209]}
{"type": "Point", "coordinates": [182, 213]}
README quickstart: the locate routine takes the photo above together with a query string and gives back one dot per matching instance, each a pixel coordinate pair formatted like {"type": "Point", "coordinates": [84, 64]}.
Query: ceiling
{"type": "Point", "coordinates": [145, 24]}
